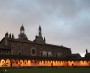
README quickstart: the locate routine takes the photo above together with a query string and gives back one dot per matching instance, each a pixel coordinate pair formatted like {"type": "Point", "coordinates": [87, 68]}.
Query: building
{"type": "Point", "coordinates": [23, 52]}
{"type": "Point", "coordinates": [23, 47]}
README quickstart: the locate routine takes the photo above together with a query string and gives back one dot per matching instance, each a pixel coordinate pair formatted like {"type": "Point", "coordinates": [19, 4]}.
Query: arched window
{"type": "Point", "coordinates": [33, 51]}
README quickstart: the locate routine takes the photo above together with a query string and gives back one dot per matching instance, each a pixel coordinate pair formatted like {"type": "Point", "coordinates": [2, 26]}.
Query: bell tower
{"type": "Point", "coordinates": [22, 34]}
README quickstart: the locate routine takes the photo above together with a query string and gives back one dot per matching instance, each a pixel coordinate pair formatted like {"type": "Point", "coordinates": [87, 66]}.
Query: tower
{"type": "Point", "coordinates": [22, 29]}
{"type": "Point", "coordinates": [86, 51]}
{"type": "Point", "coordinates": [40, 32]}
{"type": "Point", "coordinates": [39, 39]}
{"type": "Point", "coordinates": [22, 34]}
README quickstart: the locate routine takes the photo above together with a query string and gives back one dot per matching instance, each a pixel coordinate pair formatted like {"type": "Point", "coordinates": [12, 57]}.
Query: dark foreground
{"type": "Point", "coordinates": [49, 70]}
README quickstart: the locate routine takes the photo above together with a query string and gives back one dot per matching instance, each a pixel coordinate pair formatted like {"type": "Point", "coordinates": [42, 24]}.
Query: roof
{"type": "Point", "coordinates": [74, 56]}
{"type": "Point", "coordinates": [20, 40]}
{"type": "Point", "coordinates": [87, 55]}
{"type": "Point", "coordinates": [22, 28]}
{"type": "Point", "coordinates": [32, 42]}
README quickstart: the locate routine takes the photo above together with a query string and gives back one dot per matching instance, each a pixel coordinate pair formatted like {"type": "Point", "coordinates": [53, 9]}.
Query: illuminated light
{"type": "Point", "coordinates": [25, 63]}
{"type": "Point", "coordinates": [70, 63]}
{"type": "Point", "coordinates": [40, 63]}
{"type": "Point", "coordinates": [61, 63]}
{"type": "Point", "coordinates": [51, 61]}
{"type": "Point", "coordinates": [2, 62]}
{"type": "Point", "coordinates": [34, 63]}
{"type": "Point", "coordinates": [16, 63]}
{"type": "Point", "coordinates": [76, 63]}
{"type": "Point", "coordinates": [29, 63]}
{"type": "Point", "coordinates": [86, 63]}
{"type": "Point", "coordinates": [89, 63]}
{"type": "Point", "coordinates": [54, 63]}
{"type": "Point", "coordinates": [13, 63]}
{"type": "Point", "coordinates": [65, 63]}
{"type": "Point", "coordinates": [8, 63]}
{"type": "Point", "coordinates": [48, 62]}
{"type": "Point", "coordinates": [21, 62]}
{"type": "Point", "coordinates": [81, 63]}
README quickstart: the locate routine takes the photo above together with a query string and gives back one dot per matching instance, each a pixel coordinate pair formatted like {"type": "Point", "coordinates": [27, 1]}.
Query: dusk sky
{"type": "Point", "coordinates": [63, 22]}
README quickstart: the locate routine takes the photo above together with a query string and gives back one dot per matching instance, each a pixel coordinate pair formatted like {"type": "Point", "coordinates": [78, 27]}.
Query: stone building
{"type": "Point", "coordinates": [22, 46]}
{"type": "Point", "coordinates": [22, 52]}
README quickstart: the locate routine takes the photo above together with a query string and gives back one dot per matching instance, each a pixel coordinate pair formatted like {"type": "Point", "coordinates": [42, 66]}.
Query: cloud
{"type": "Point", "coordinates": [63, 21]}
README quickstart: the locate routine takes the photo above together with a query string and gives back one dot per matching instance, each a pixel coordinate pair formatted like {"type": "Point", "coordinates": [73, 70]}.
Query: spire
{"type": "Point", "coordinates": [10, 35]}
{"type": "Point", "coordinates": [22, 29]}
{"type": "Point", "coordinates": [40, 28]}
{"type": "Point", "coordinates": [86, 51]}
{"type": "Point", "coordinates": [44, 39]}
{"type": "Point", "coordinates": [40, 31]}
{"type": "Point", "coordinates": [13, 36]}
{"type": "Point", "coordinates": [39, 39]}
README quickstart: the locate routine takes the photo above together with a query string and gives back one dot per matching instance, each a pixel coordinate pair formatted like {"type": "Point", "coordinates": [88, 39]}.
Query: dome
{"type": "Point", "coordinates": [22, 28]}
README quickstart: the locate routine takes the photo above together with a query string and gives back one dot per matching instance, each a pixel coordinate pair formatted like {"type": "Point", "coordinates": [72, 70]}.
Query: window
{"type": "Point", "coordinates": [33, 51]}
{"type": "Point", "coordinates": [7, 51]}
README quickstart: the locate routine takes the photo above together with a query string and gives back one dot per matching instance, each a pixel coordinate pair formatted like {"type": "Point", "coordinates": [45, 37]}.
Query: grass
{"type": "Point", "coordinates": [50, 70]}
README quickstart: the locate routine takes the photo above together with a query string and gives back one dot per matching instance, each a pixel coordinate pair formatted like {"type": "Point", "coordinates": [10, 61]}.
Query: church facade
{"type": "Point", "coordinates": [22, 52]}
